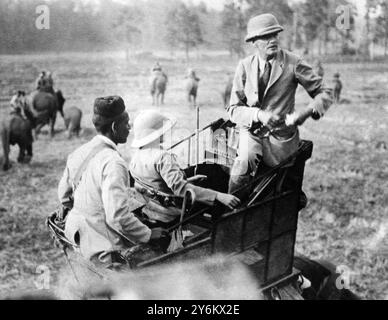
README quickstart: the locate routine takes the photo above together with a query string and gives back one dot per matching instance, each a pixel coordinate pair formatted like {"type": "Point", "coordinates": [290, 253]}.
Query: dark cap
{"type": "Point", "coordinates": [109, 107]}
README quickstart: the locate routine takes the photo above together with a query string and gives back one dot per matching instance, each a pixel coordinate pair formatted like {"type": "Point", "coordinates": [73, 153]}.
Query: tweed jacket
{"type": "Point", "coordinates": [288, 71]}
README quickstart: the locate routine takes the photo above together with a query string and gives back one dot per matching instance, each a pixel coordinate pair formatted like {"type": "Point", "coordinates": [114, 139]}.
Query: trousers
{"type": "Point", "coordinates": [271, 149]}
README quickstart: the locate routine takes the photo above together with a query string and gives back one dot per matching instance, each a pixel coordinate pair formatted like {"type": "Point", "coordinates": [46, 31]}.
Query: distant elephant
{"type": "Point", "coordinates": [192, 87]}
{"type": "Point", "coordinates": [14, 129]}
{"type": "Point", "coordinates": [73, 118]}
{"type": "Point", "coordinates": [158, 87]}
{"type": "Point", "coordinates": [45, 106]}
{"type": "Point", "coordinates": [227, 91]}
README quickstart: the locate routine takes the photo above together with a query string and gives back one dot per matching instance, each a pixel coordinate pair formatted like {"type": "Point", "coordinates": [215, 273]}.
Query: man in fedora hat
{"type": "Point", "coordinates": [262, 101]}
{"type": "Point", "coordinates": [157, 173]}
{"type": "Point", "coordinates": [94, 187]}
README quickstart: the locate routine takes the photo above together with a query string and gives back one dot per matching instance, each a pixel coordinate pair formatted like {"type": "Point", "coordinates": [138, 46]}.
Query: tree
{"type": "Point", "coordinates": [127, 27]}
{"type": "Point", "coordinates": [382, 24]}
{"type": "Point", "coordinates": [314, 17]}
{"type": "Point", "coordinates": [233, 27]}
{"type": "Point", "coordinates": [183, 28]}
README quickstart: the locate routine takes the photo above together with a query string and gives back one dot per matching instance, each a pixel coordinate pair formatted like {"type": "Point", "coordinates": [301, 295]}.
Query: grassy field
{"type": "Point", "coordinates": [346, 180]}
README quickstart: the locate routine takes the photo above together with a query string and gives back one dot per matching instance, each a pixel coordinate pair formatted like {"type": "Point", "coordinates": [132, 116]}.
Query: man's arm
{"type": "Point", "coordinates": [171, 173]}
{"type": "Point", "coordinates": [313, 84]}
{"type": "Point", "coordinates": [238, 111]}
{"type": "Point", "coordinates": [65, 190]}
{"type": "Point", "coordinates": [117, 204]}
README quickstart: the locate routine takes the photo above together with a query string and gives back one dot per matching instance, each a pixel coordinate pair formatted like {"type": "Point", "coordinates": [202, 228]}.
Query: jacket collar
{"type": "Point", "coordinates": [276, 72]}
{"type": "Point", "coordinates": [107, 141]}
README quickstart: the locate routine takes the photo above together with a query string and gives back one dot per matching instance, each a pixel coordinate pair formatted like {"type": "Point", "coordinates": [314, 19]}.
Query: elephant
{"type": "Point", "coordinates": [15, 129]}
{"type": "Point", "coordinates": [72, 119]}
{"type": "Point", "coordinates": [45, 106]}
{"type": "Point", "coordinates": [158, 87]}
{"type": "Point", "coordinates": [192, 89]}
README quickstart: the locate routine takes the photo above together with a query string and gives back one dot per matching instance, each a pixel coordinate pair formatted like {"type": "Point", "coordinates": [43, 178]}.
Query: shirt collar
{"type": "Point", "coordinates": [107, 141]}
{"type": "Point", "coordinates": [262, 63]}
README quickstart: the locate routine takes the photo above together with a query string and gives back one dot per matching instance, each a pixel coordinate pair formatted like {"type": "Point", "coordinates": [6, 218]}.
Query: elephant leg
{"type": "Point", "coordinates": [6, 149]}
{"type": "Point", "coordinates": [158, 99]}
{"type": "Point", "coordinates": [70, 130]}
{"type": "Point", "coordinates": [22, 151]}
{"type": "Point", "coordinates": [53, 119]}
{"type": "Point", "coordinates": [37, 129]}
{"type": "Point", "coordinates": [162, 98]}
{"type": "Point", "coordinates": [29, 150]}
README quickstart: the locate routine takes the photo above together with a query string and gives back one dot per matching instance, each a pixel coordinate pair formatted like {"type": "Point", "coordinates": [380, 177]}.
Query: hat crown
{"type": "Point", "coordinates": [262, 25]}
{"type": "Point", "coordinates": [149, 126]}
{"type": "Point", "coordinates": [110, 106]}
{"type": "Point", "coordinates": [149, 120]}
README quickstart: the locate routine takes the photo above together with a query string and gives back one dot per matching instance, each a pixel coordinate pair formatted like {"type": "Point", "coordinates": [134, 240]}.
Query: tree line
{"type": "Point", "coordinates": [317, 27]}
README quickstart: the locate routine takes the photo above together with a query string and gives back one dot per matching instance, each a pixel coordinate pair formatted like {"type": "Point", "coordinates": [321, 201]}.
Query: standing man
{"type": "Point", "coordinates": [263, 96]}
{"type": "Point", "coordinates": [95, 187]}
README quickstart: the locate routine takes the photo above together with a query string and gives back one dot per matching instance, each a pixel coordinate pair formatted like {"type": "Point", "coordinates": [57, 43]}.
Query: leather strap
{"type": "Point", "coordinates": [81, 169]}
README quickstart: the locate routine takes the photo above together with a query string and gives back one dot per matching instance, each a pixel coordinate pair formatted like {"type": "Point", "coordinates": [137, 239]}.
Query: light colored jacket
{"type": "Point", "coordinates": [102, 215]}
{"type": "Point", "coordinates": [288, 71]}
{"type": "Point", "coordinates": [17, 102]}
{"type": "Point", "coordinates": [159, 169]}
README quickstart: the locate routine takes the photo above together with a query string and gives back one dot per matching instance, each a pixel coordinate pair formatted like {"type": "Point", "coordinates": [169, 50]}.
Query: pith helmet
{"type": "Point", "coordinates": [262, 25]}
{"type": "Point", "coordinates": [149, 126]}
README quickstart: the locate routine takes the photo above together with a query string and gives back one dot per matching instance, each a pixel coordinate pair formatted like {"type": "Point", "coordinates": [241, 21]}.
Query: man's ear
{"type": "Point", "coordinates": [113, 127]}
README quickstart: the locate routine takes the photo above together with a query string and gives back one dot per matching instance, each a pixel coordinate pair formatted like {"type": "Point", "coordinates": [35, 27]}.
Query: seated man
{"type": "Point", "coordinates": [95, 188]}
{"type": "Point", "coordinates": [18, 102]}
{"type": "Point", "coordinates": [157, 169]}
{"type": "Point", "coordinates": [49, 83]}
{"type": "Point", "coordinates": [41, 81]}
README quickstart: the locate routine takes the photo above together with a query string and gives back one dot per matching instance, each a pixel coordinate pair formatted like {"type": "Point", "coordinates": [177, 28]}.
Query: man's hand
{"type": "Point", "coordinates": [269, 119]}
{"type": "Point", "coordinates": [298, 118]}
{"type": "Point", "coordinates": [228, 200]}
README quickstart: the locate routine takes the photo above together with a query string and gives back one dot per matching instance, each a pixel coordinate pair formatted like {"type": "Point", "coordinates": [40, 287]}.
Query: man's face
{"type": "Point", "coordinates": [122, 129]}
{"type": "Point", "coordinates": [267, 45]}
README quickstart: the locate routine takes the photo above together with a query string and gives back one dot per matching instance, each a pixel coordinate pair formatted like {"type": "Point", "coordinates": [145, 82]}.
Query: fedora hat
{"type": "Point", "coordinates": [262, 25]}
{"type": "Point", "coordinates": [149, 126]}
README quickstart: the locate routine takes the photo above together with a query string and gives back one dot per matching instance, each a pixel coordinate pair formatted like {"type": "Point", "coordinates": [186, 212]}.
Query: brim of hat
{"type": "Point", "coordinates": [274, 29]}
{"type": "Point", "coordinates": [138, 143]}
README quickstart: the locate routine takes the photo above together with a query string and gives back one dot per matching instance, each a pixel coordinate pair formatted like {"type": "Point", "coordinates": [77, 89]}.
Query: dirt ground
{"type": "Point", "coordinates": [346, 181]}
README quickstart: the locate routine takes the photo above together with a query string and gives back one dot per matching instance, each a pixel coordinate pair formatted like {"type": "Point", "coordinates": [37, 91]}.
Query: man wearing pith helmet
{"type": "Point", "coordinates": [94, 188]}
{"type": "Point", "coordinates": [262, 101]}
{"type": "Point", "coordinates": [158, 175]}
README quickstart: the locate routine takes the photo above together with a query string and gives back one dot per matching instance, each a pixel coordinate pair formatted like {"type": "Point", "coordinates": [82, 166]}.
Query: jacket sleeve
{"type": "Point", "coordinates": [117, 205]}
{"type": "Point", "coordinates": [173, 176]}
{"type": "Point", "coordinates": [238, 112]}
{"type": "Point", "coordinates": [313, 84]}
{"type": "Point", "coordinates": [65, 190]}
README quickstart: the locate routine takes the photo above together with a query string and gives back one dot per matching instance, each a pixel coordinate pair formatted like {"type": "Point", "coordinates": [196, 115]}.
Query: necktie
{"type": "Point", "coordinates": [264, 79]}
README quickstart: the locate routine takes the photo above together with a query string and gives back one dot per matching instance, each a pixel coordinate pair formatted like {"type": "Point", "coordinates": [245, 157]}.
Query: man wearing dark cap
{"type": "Point", "coordinates": [94, 187]}
{"type": "Point", "coordinates": [262, 101]}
